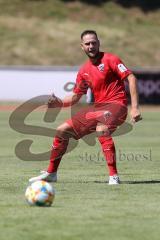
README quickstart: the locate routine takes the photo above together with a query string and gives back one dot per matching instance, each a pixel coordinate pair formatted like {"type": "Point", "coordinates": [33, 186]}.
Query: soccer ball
{"type": "Point", "coordinates": [40, 193]}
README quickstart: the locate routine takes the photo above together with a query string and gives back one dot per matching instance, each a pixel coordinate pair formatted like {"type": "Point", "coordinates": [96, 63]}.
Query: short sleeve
{"type": "Point", "coordinates": [119, 68]}
{"type": "Point", "coordinates": [81, 85]}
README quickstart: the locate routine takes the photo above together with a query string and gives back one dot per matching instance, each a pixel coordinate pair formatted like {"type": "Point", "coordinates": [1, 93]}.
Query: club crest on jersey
{"type": "Point", "coordinates": [101, 67]}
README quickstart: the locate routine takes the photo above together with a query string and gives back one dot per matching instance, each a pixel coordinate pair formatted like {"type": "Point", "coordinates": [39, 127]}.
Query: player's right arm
{"type": "Point", "coordinates": [66, 102]}
{"type": "Point", "coordinates": [79, 90]}
{"type": "Point", "coordinates": [71, 99]}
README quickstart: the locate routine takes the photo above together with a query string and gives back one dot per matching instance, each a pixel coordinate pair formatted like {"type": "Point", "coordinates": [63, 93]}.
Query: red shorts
{"type": "Point", "coordinates": [85, 121]}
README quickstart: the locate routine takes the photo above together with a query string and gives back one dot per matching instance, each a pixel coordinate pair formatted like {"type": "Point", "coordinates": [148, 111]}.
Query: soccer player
{"type": "Point", "coordinates": [104, 73]}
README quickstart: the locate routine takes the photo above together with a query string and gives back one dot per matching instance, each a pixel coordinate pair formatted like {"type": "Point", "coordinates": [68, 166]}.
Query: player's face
{"type": "Point", "coordinates": [90, 45]}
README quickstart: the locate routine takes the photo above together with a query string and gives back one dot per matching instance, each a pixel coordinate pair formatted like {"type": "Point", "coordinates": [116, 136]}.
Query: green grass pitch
{"type": "Point", "coordinates": [85, 207]}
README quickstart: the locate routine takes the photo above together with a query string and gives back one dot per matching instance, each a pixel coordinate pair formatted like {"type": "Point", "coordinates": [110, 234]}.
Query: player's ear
{"type": "Point", "coordinates": [99, 43]}
{"type": "Point", "coordinates": [82, 46]}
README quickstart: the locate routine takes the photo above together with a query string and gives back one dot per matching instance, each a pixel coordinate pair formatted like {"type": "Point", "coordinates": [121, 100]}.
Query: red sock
{"type": "Point", "coordinates": [108, 148]}
{"type": "Point", "coordinates": [58, 149]}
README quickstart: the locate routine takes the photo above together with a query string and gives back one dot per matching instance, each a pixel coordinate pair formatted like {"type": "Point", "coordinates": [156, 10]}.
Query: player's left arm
{"type": "Point", "coordinates": [134, 112]}
{"type": "Point", "coordinates": [123, 72]}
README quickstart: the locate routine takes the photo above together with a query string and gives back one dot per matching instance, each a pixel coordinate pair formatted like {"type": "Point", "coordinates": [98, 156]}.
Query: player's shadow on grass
{"type": "Point", "coordinates": [135, 182]}
{"type": "Point", "coordinates": [106, 182]}
{"type": "Point", "coordinates": [141, 182]}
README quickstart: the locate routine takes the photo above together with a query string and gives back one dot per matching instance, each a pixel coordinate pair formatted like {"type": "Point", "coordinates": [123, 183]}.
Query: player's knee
{"type": "Point", "coordinates": [60, 131]}
{"type": "Point", "coordinates": [63, 131]}
{"type": "Point", "coordinates": [102, 130]}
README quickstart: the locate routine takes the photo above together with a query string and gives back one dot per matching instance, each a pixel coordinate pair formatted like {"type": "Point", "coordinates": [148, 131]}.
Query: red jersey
{"type": "Point", "coordinates": [105, 78]}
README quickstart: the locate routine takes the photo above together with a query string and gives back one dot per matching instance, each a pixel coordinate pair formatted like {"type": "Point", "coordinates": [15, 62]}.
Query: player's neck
{"type": "Point", "coordinates": [96, 59]}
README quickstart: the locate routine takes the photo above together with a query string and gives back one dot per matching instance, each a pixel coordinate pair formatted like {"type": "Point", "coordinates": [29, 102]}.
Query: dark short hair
{"type": "Point", "coordinates": [88, 32]}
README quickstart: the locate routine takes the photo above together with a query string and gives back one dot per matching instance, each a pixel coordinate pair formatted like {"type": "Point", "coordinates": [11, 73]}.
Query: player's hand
{"type": "Point", "coordinates": [54, 101]}
{"type": "Point", "coordinates": [135, 115]}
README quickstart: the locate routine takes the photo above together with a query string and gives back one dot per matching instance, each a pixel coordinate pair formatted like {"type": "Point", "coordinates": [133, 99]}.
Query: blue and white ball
{"type": "Point", "coordinates": [40, 193]}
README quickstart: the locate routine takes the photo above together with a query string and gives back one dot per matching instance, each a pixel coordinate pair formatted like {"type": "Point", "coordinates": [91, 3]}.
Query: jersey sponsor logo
{"type": "Point", "coordinates": [122, 68]}
{"type": "Point", "coordinates": [101, 67]}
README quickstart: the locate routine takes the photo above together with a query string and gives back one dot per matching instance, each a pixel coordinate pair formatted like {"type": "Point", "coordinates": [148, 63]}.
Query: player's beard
{"type": "Point", "coordinates": [93, 57]}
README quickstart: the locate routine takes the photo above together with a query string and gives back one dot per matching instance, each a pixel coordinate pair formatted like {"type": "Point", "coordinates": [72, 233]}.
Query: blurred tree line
{"type": "Point", "coordinates": [145, 5]}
